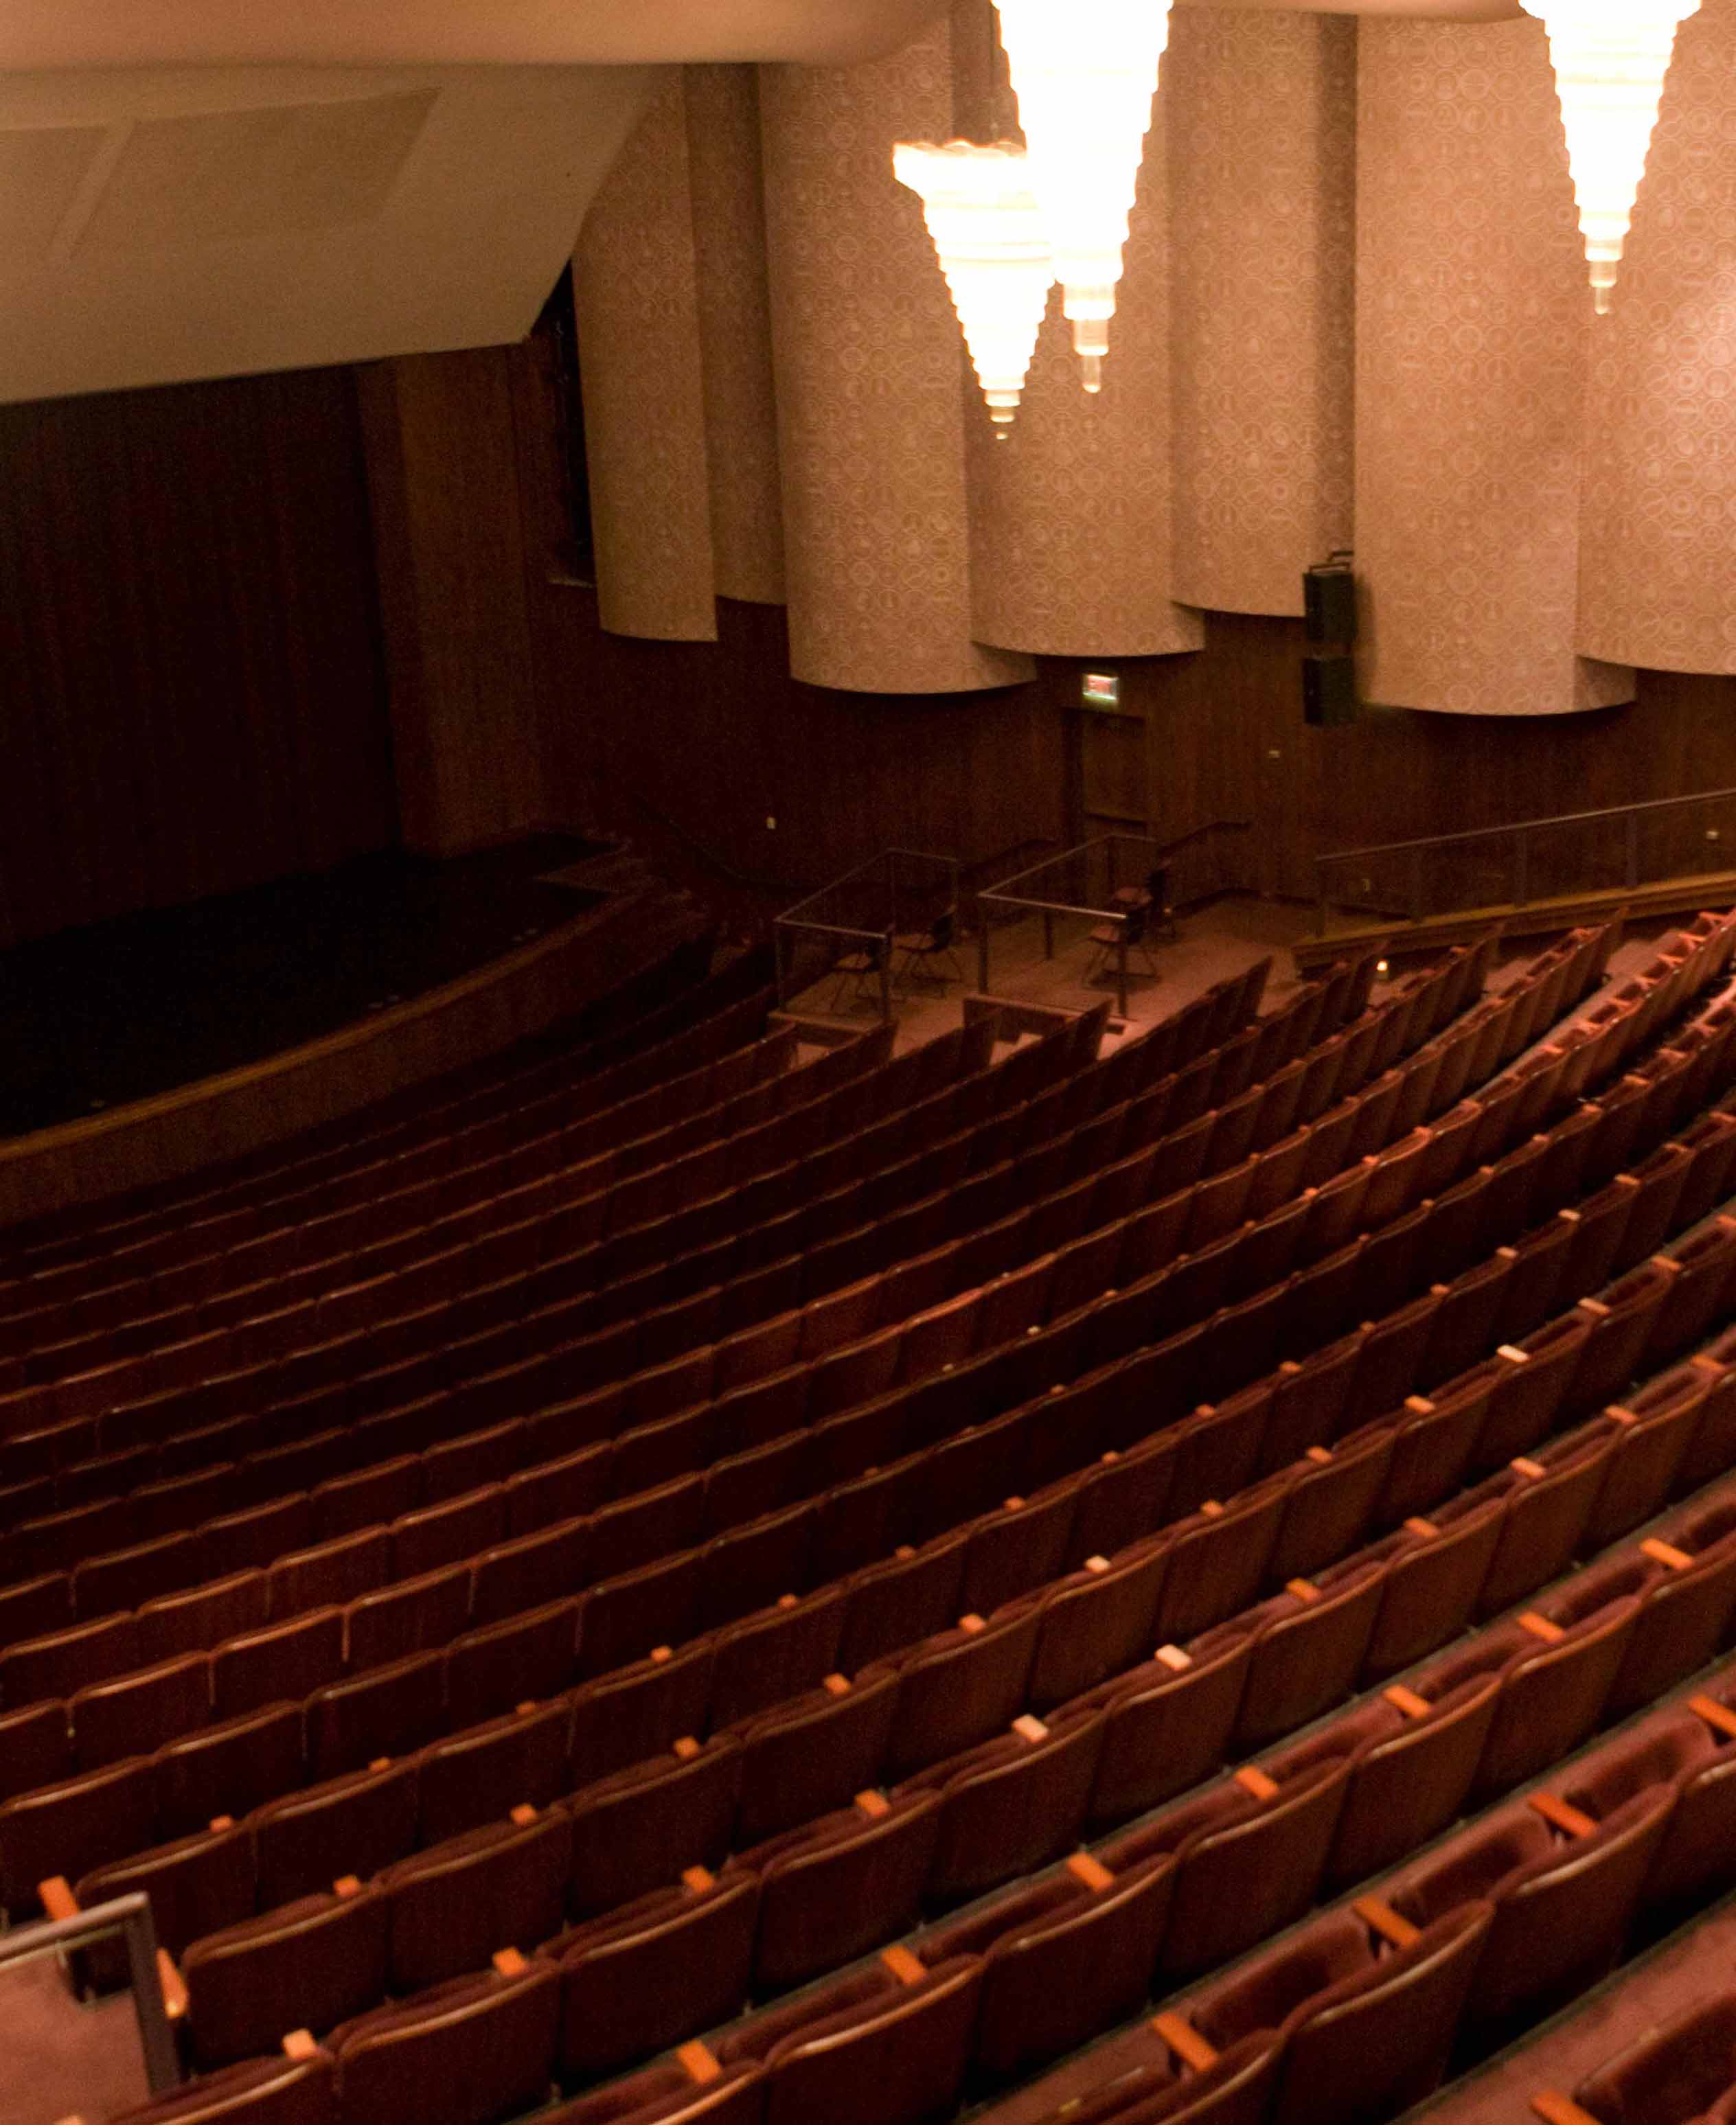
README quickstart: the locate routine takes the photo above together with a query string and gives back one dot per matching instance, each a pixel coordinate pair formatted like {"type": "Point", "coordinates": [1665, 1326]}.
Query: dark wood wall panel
{"type": "Point", "coordinates": [1226, 738]}
{"type": "Point", "coordinates": [720, 738]}
{"type": "Point", "coordinates": [191, 694]}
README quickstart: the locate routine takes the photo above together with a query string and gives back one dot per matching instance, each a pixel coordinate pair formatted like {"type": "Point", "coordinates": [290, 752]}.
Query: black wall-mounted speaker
{"type": "Point", "coordinates": [1330, 604]}
{"type": "Point", "coordinates": [1328, 690]}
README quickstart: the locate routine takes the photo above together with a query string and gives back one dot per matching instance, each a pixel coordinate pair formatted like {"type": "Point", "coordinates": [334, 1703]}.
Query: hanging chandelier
{"type": "Point", "coordinates": [1610, 58]}
{"type": "Point", "coordinates": [1084, 73]}
{"type": "Point", "coordinates": [983, 219]}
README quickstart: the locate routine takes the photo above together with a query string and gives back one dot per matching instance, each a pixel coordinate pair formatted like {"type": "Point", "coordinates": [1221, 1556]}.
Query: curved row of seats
{"type": "Point", "coordinates": [810, 1326]}
{"type": "Point", "coordinates": [439, 1474]}
{"type": "Point", "coordinates": [1327, 1449]}
{"type": "Point", "coordinates": [615, 1191]}
{"type": "Point", "coordinates": [537, 1624]}
{"type": "Point", "coordinates": [1051, 1964]}
{"type": "Point", "coordinates": [415, 1307]}
{"type": "Point", "coordinates": [837, 1322]}
{"type": "Point", "coordinates": [84, 1646]}
{"type": "Point", "coordinates": [667, 1019]}
{"type": "Point", "coordinates": [208, 1288]}
{"type": "Point", "coordinates": [953, 1824]}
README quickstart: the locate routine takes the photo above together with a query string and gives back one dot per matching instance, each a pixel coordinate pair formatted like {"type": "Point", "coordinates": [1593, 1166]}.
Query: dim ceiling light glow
{"type": "Point", "coordinates": [984, 218]}
{"type": "Point", "coordinates": [1610, 58]}
{"type": "Point", "coordinates": [1084, 73]}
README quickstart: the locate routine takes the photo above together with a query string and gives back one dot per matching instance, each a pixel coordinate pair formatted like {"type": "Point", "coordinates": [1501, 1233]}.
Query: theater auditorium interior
{"type": "Point", "coordinates": [867, 1062]}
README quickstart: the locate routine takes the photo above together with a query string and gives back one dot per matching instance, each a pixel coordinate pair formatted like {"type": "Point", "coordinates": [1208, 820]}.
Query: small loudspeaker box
{"type": "Point", "coordinates": [1328, 690]}
{"type": "Point", "coordinates": [1329, 603]}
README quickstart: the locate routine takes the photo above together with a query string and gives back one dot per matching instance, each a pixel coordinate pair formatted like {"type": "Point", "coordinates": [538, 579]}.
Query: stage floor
{"type": "Point", "coordinates": [95, 1017]}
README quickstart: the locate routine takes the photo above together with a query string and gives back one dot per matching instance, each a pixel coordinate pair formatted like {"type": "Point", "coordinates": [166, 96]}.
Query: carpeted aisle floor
{"type": "Point", "coordinates": [58, 2059]}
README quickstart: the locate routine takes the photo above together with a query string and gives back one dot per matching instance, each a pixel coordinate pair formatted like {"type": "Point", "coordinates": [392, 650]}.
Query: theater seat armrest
{"type": "Point", "coordinates": [58, 1900]}
{"type": "Point", "coordinates": [1554, 2108]}
{"type": "Point", "coordinates": [172, 1985]}
{"type": "Point", "coordinates": [1380, 1917]}
{"type": "Point", "coordinates": [1184, 2041]}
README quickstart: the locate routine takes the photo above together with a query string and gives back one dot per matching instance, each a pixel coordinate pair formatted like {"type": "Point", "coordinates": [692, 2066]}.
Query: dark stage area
{"type": "Point", "coordinates": [95, 1017]}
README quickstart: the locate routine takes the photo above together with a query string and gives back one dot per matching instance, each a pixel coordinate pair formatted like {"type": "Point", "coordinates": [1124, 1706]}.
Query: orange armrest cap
{"type": "Point", "coordinates": [1184, 2041]}
{"type": "Point", "coordinates": [1380, 1916]}
{"type": "Point", "coordinates": [1557, 2109]}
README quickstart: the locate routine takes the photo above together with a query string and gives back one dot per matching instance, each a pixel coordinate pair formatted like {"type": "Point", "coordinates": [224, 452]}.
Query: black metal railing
{"type": "Point", "coordinates": [1618, 848]}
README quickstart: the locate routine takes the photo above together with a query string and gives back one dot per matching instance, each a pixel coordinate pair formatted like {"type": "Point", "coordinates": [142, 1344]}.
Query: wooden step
{"type": "Point", "coordinates": [1536, 918]}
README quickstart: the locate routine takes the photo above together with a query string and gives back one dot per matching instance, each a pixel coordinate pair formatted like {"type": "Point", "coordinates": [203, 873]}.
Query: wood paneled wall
{"type": "Point", "coordinates": [192, 698]}
{"type": "Point", "coordinates": [718, 736]}
{"type": "Point", "coordinates": [1226, 738]}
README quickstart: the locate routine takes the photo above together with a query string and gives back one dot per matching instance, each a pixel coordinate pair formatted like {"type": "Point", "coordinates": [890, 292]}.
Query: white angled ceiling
{"type": "Point", "coordinates": [194, 188]}
{"type": "Point", "coordinates": [453, 32]}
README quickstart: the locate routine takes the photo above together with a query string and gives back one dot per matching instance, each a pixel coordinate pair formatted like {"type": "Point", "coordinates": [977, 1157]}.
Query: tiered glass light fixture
{"type": "Point", "coordinates": [1084, 73]}
{"type": "Point", "coordinates": [1610, 58]}
{"type": "Point", "coordinates": [984, 218]}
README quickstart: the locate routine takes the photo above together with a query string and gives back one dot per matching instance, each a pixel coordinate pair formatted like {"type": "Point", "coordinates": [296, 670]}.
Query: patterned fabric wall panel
{"type": "Point", "coordinates": [1262, 113]}
{"type": "Point", "coordinates": [1657, 583]}
{"type": "Point", "coordinates": [871, 397]}
{"type": "Point", "coordinates": [1070, 515]}
{"type": "Point", "coordinates": [633, 288]}
{"type": "Point", "coordinates": [735, 331]}
{"type": "Point", "coordinates": [1473, 317]}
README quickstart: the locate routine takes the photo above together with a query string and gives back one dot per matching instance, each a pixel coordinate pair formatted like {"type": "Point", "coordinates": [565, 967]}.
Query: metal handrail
{"type": "Point", "coordinates": [1526, 826]}
{"type": "Point", "coordinates": [1518, 831]}
{"type": "Point", "coordinates": [794, 918]}
{"type": "Point", "coordinates": [1049, 909]}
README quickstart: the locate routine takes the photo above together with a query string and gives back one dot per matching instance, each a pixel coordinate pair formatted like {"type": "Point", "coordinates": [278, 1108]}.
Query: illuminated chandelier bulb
{"type": "Point", "coordinates": [1610, 58]}
{"type": "Point", "coordinates": [983, 219]}
{"type": "Point", "coordinates": [1084, 73]}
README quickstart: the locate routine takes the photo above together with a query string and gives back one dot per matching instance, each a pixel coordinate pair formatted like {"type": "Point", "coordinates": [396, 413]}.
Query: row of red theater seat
{"type": "Point", "coordinates": [1680, 2070]}
{"type": "Point", "coordinates": [443, 1469]}
{"type": "Point", "coordinates": [838, 1321]}
{"type": "Point", "coordinates": [273, 1470]}
{"type": "Point", "coordinates": [634, 1037]}
{"type": "Point", "coordinates": [558, 1236]}
{"type": "Point", "coordinates": [1323, 2028]}
{"type": "Point", "coordinates": [791, 1326]}
{"type": "Point", "coordinates": [1492, 1712]}
{"type": "Point", "coordinates": [1054, 1963]}
{"type": "Point", "coordinates": [1351, 1622]}
{"type": "Point", "coordinates": [205, 1334]}
{"type": "Point", "coordinates": [745, 1083]}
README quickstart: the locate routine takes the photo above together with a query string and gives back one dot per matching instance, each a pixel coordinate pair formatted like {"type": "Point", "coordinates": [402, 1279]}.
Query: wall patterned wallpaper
{"type": "Point", "coordinates": [1657, 583]}
{"type": "Point", "coordinates": [869, 365]}
{"type": "Point", "coordinates": [1263, 171]}
{"type": "Point", "coordinates": [634, 291]}
{"type": "Point", "coordinates": [1070, 515]}
{"type": "Point", "coordinates": [1354, 312]}
{"type": "Point", "coordinates": [734, 307]}
{"type": "Point", "coordinates": [1472, 320]}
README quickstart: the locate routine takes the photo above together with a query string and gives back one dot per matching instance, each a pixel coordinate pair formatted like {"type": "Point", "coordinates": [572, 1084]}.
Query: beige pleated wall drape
{"type": "Point", "coordinates": [1473, 325]}
{"type": "Point", "coordinates": [735, 331]}
{"type": "Point", "coordinates": [636, 297]}
{"type": "Point", "coordinates": [1070, 531]}
{"type": "Point", "coordinates": [1658, 562]}
{"type": "Point", "coordinates": [1354, 312]}
{"type": "Point", "coordinates": [1262, 148]}
{"type": "Point", "coordinates": [870, 407]}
